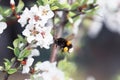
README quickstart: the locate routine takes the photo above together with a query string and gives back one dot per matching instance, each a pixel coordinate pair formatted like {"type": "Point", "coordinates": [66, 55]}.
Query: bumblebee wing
{"type": "Point", "coordinates": [70, 37]}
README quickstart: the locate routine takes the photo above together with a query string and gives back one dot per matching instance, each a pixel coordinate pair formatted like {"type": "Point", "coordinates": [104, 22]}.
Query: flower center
{"type": "Point", "coordinates": [34, 32]}
{"type": "Point", "coordinates": [44, 12]}
{"type": "Point", "coordinates": [37, 18]}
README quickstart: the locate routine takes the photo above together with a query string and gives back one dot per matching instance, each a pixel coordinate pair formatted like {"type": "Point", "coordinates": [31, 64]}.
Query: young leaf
{"type": "Point", "coordinates": [94, 1]}
{"type": "Point", "coordinates": [1, 10]}
{"type": "Point", "coordinates": [10, 48]}
{"type": "Point", "coordinates": [54, 7]}
{"type": "Point", "coordinates": [20, 6]}
{"type": "Point", "coordinates": [7, 12]}
{"type": "Point", "coordinates": [11, 71]}
{"type": "Point", "coordinates": [24, 53]}
{"type": "Point", "coordinates": [65, 5]}
{"type": "Point", "coordinates": [16, 43]}
{"type": "Point", "coordinates": [39, 2]}
{"type": "Point", "coordinates": [45, 2]}
{"type": "Point", "coordinates": [68, 67]}
{"type": "Point", "coordinates": [75, 5]}
{"type": "Point", "coordinates": [20, 37]}
{"type": "Point", "coordinates": [13, 60]}
{"type": "Point", "coordinates": [16, 51]}
{"type": "Point", "coordinates": [84, 2]}
{"type": "Point", "coordinates": [52, 1]}
{"type": "Point", "coordinates": [7, 64]}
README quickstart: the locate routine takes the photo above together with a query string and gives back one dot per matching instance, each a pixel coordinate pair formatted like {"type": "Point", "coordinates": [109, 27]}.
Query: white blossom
{"type": "Point", "coordinates": [46, 39]}
{"type": "Point", "coordinates": [48, 71]}
{"type": "Point", "coordinates": [36, 20]}
{"type": "Point", "coordinates": [30, 60]}
{"type": "Point", "coordinates": [34, 52]}
{"type": "Point", "coordinates": [3, 25]}
{"type": "Point", "coordinates": [107, 14]}
{"type": "Point", "coordinates": [94, 29]}
{"type": "Point", "coordinates": [32, 32]}
{"type": "Point", "coordinates": [40, 34]}
{"type": "Point", "coordinates": [26, 67]}
{"type": "Point", "coordinates": [24, 17]}
{"type": "Point", "coordinates": [36, 16]}
{"type": "Point", "coordinates": [46, 12]}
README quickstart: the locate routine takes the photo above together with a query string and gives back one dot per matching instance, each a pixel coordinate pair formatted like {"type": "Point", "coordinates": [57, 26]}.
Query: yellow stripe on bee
{"type": "Point", "coordinates": [65, 49]}
{"type": "Point", "coordinates": [68, 43]}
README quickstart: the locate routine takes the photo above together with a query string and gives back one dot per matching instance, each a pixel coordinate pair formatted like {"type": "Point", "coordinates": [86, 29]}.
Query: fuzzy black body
{"type": "Point", "coordinates": [63, 43]}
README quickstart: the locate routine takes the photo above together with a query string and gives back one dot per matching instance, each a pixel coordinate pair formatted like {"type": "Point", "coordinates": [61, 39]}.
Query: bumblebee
{"type": "Point", "coordinates": [64, 44]}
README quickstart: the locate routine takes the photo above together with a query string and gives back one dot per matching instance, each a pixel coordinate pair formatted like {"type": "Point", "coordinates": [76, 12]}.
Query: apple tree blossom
{"type": "Point", "coordinates": [43, 23]}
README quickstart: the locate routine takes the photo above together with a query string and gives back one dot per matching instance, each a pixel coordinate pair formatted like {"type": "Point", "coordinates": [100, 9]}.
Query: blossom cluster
{"type": "Point", "coordinates": [35, 22]}
{"type": "Point", "coordinates": [47, 71]}
{"type": "Point", "coordinates": [37, 29]}
{"type": "Point", "coordinates": [28, 63]}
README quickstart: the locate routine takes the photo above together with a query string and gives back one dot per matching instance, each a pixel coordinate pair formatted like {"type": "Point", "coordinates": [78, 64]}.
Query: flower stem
{"type": "Point", "coordinates": [54, 53]}
{"type": "Point", "coordinates": [6, 76]}
{"type": "Point", "coordinates": [58, 33]}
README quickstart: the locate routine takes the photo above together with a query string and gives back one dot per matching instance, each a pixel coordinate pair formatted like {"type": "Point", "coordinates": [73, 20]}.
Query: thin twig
{"type": "Point", "coordinates": [59, 34]}
{"type": "Point", "coordinates": [6, 76]}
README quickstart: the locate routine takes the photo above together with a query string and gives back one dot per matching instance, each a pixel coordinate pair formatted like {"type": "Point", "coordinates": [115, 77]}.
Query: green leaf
{"type": "Point", "coordinates": [75, 5]}
{"type": "Point", "coordinates": [54, 7]}
{"type": "Point", "coordinates": [84, 2]}
{"type": "Point", "coordinates": [65, 5]}
{"type": "Point", "coordinates": [45, 2]}
{"type": "Point", "coordinates": [71, 14]}
{"type": "Point", "coordinates": [10, 48]}
{"type": "Point", "coordinates": [24, 53]}
{"type": "Point", "coordinates": [94, 1]}
{"type": "Point", "coordinates": [20, 59]}
{"type": "Point", "coordinates": [52, 1]}
{"type": "Point", "coordinates": [39, 2]}
{"type": "Point", "coordinates": [67, 68]}
{"type": "Point", "coordinates": [7, 12]}
{"type": "Point", "coordinates": [48, 2]}
{"type": "Point", "coordinates": [70, 19]}
{"type": "Point", "coordinates": [12, 70]}
{"type": "Point", "coordinates": [1, 10]}
{"type": "Point", "coordinates": [20, 6]}
{"type": "Point", "coordinates": [7, 64]}
{"type": "Point", "coordinates": [16, 43]}
{"type": "Point", "coordinates": [13, 60]}
{"type": "Point", "coordinates": [16, 51]}
{"type": "Point", "coordinates": [22, 39]}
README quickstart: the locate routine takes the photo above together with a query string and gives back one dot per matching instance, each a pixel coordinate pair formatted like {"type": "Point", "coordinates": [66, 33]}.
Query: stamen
{"type": "Point", "coordinates": [37, 18]}
{"type": "Point", "coordinates": [34, 32]}
{"type": "Point", "coordinates": [44, 12]}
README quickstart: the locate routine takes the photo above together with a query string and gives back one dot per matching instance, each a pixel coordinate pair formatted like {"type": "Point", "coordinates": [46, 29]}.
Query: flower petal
{"type": "Point", "coordinates": [3, 26]}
